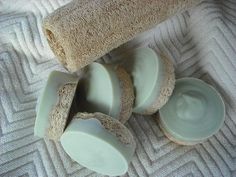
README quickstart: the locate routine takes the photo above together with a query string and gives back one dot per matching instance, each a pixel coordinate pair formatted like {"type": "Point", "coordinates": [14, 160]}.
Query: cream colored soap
{"type": "Point", "coordinates": [100, 143]}
{"type": "Point", "coordinates": [153, 79]}
{"type": "Point", "coordinates": [194, 112]}
{"type": "Point", "coordinates": [106, 89]}
{"type": "Point", "coordinates": [53, 105]}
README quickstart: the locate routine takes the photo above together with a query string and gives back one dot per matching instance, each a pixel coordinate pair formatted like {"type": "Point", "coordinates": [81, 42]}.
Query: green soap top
{"type": "Point", "coordinates": [87, 142]}
{"type": "Point", "coordinates": [194, 112]}
{"type": "Point", "coordinates": [48, 99]}
{"type": "Point", "coordinates": [101, 89]}
{"type": "Point", "coordinates": [147, 70]}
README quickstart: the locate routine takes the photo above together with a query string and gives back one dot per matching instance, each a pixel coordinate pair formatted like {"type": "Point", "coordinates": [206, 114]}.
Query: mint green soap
{"type": "Point", "coordinates": [49, 98]}
{"type": "Point", "coordinates": [194, 112]}
{"type": "Point", "coordinates": [90, 144]}
{"type": "Point", "coordinates": [148, 73]}
{"type": "Point", "coordinates": [101, 90]}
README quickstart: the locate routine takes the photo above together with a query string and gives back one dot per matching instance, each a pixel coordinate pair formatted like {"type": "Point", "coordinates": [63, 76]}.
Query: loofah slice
{"type": "Point", "coordinates": [127, 94]}
{"type": "Point", "coordinates": [59, 114]}
{"type": "Point", "coordinates": [112, 125]}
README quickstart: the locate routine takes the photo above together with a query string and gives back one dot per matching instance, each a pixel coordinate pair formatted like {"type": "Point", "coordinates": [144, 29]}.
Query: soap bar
{"type": "Point", "coordinates": [106, 89]}
{"type": "Point", "coordinates": [99, 142]}
{"type": "Point", "coordinates": [153, 79]}
{"type": "Point", "coordinates": [194, 112]}
{"type": "Point", "coordinates": [54, 104]}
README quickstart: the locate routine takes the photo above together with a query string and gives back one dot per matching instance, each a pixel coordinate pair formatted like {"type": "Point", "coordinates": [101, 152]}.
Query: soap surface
{"type": "Point", "coordinates": [148, 72]}
{"type": "Point", "coordinates": [101, 90]}
{"type": "Point", "coordinates": [48, 100]}
{"type": "Point", "coordinates": [90, 144]}
{"type": "Point", "coordinates": [194, 112]}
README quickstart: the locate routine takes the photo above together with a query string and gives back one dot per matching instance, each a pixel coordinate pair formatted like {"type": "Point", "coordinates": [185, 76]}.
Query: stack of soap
{"type": "Point", "coordinates": [97, 141]}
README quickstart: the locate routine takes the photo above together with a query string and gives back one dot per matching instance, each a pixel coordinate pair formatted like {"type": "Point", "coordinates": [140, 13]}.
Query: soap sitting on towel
{"type": "Point", "coordinates": [106, 89]}
{"type": "Point", "coordinates": [153, 78]}
{"type": "Point", "coordinates": [99, 142]}
{"type": "Point", "coordinates": [194, 112]}
{"type": "Point", "coordinates": [82, 31]}
{"type": "Point", "coordinates": [54, 105]}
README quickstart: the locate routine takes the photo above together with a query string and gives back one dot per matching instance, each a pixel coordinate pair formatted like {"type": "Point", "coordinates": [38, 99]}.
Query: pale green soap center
{"type": "Point", "coordinates": [194, 112]}
{"type": "Point", "coordinates": [190, 106]}
{"type": "Point", "coordinates": [102, 91]}
{"type": "Point", "coordinates": [147, 71]}
{"type": "Point", "coordinates": [88, 143]}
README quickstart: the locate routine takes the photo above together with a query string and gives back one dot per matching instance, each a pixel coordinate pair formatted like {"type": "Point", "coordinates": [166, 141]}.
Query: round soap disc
{"type": "Point", "coordinates": [90, 144]}
{"type": "Point", "coordinates": [53, 105]}
{"type": "Point", "coordinates": [150, 73]}
{"type": "Point", "coordinates": [100, 89]}
{"type": "Point", "coordinates": [108, 90]}
{"type": "Point", "coordinates": [194, 112]}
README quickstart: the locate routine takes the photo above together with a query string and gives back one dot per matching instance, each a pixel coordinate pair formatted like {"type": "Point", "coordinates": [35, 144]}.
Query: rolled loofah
{"type": "Point", "coordinates": [82, 31]}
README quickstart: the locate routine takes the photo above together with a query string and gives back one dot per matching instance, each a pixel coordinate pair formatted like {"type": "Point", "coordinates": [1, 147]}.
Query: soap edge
{"type": "Point", "coordinates": [171, 138]}
{"type": "Point", "coordinates": [100, 116]}
{"type": "Point", "coordinates": [166, 88]}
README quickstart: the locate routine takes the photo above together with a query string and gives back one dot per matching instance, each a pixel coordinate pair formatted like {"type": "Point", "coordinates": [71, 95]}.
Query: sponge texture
{"type": "Point", "coordinates": [83, 30]}
{"type": "Point", "coordinates": [112, 125]}
{"type": "Point", "coordinates": [127, 94]}
{"type": "Point", "coordinates": [59, 114]}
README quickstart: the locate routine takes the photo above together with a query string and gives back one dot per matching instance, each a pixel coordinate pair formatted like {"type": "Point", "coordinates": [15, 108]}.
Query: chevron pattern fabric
{"type": "Point", "coordinates": [200, 42]}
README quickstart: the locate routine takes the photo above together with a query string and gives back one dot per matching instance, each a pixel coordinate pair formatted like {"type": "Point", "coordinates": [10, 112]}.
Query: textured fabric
{"type": "Point", "coordinates": [201, 43]}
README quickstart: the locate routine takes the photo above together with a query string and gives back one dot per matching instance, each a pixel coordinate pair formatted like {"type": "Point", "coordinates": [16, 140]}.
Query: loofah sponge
{"type": "Point", "coordinates": [83, 31]}
{"type": "Point", "coordinates": [60, 112]}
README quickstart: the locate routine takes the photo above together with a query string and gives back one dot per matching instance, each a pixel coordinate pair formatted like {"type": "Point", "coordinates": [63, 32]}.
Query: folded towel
{"type": "Point", "coordinates": [84, 30]}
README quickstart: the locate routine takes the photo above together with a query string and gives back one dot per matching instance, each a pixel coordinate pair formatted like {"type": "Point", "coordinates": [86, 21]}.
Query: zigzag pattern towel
{"type": "Point", "coordinates": [201, 43]}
